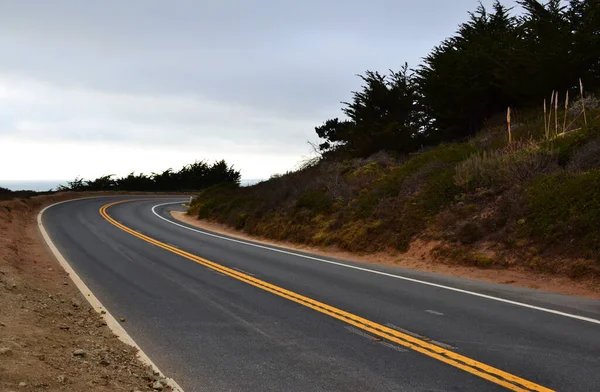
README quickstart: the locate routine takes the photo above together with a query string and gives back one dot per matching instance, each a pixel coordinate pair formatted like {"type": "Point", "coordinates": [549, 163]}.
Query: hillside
{"type": "Point", "coordinates": [486, 154]}
{"type": "Point", "coordinates": [531, 203]}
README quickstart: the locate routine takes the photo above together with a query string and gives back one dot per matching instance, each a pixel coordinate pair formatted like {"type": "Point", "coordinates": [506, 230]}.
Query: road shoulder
{"type": "Point", "coordinates": [50, 337]}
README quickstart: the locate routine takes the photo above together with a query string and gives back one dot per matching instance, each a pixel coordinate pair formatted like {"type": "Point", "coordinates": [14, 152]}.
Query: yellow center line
{"type": "Point", "coordinates": [449, 357]}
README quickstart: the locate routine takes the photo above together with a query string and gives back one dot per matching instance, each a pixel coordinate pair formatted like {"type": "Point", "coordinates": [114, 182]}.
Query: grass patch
{"type": "Point", "coordinates": [500, 169]}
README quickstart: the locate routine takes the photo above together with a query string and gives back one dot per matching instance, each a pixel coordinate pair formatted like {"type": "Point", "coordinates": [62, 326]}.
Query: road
{"type": "Point", "coordinates": [221, 315]}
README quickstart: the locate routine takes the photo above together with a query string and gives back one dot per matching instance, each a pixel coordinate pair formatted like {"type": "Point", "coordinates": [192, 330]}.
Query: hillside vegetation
{"type": "Point", "coordinates": [433, 154]}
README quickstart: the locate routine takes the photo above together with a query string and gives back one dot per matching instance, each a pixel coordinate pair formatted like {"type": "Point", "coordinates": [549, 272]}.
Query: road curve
{"type": "Point", "coordinates": [220, 315]}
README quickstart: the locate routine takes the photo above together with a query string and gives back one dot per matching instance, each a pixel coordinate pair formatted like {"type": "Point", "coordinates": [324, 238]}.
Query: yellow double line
{"type": "Point", "coordinates": [449, 357]}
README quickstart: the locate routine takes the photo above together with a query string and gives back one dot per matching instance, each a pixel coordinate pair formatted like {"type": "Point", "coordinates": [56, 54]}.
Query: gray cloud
{"type": "Point", "coordinates": [229, 72]}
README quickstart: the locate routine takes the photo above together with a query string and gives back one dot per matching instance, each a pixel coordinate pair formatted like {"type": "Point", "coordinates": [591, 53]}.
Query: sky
{"type": "Point", "coordinates": [89, 88]}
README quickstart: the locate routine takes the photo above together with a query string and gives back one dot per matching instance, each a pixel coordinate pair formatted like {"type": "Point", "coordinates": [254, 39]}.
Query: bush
{"type": "Point", "coordinates": [414, 174]}
{"type": "Point", "coordinates": [479, 170]}
{"type": "Point", "coordinates": [469, 233]}
{"type": "Point", "coordinates": [525, 165]}
{"type": "Point", "coordinates": [416, 182]}
{"type": "Point", "coordinates": [314, 201]}
{"type": "Point", "coordinates": [586, 158]}
{"type": "Point", "coordinates": [566, 146]}
{"type": "Point", "coordinates": [566, 208]}
{"type": "Point", "coordinates": [496, 168]}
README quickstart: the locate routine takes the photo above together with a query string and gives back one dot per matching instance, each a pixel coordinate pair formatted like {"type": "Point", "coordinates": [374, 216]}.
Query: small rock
{"type": "Point", "coordinates": [76, 303]}
{"type": "Point", "coordinates": [79, 352]}
{"type": "Point", "coordinates": [42, 357]}
{"type": "Point", "coordinates": [65, 283]}
{"type": "Point", "coordinates": [157, 385]}
{"type": "Point", "coordinates": [62, 378]}
{"type": "Point", "coordinates": [22, 384]}
{"type": "Point", "coordinates": [103, 312]}
{"type": "Point", "coordinates": [5, 351]}
{"type": "Point", "coordinates": [150, 376]}
{"type": "Point", "coordinates": [122, 319]}
{"type": "Point", "coordinates": [63, 326]}
{"type": "Point", "coordinates": [2, 325]}
{"type": "Point", "coordinates": [50, 269]}
{"type": "Point", "coordinates": [105, 362]}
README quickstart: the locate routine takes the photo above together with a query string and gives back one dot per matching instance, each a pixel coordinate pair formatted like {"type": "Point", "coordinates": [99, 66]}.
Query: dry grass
{"type": "Point", "coordinates": [500, 168]}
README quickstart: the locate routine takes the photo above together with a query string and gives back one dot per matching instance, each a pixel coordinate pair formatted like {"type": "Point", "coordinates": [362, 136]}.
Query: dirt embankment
{"type": "Point", "coordinates": [420, 257]}
{"type": "Point", "coordinates": [50, 338]}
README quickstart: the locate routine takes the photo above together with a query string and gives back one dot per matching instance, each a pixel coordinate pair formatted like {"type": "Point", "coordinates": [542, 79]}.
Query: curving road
{"type": "Point", "coordinates": [223, 315]}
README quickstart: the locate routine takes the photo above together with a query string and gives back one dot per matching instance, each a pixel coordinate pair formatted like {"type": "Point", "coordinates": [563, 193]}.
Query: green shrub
{"type": "Point", "coordinates": [524, 165]}
{"type": "Point", "coordinates": [480, 170]}
{"type": "Point", "coordinates": [566, 208]}
{"type": "Point", "coordinates": [586, 158]}
{"type": "Point", "coordinates": [469, 233]}
{"type": "Point", "coordinates": [566, 146]}
{"type": "Point", "coordinates": [241, 220]}
{"type": "Point", "coordinates": [314, 201]}
{"type": "Point", "coordinates": [423, 171]}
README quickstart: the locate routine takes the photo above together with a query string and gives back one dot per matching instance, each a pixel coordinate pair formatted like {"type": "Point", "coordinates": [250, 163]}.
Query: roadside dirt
{"type": "Point", "coordinates": [420, 257]}
{"type": "Point", "coordinates": [50, 338]}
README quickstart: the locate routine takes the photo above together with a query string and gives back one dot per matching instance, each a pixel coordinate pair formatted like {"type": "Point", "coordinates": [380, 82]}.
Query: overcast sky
{"type": "Point", "coordinates": [96, 87]}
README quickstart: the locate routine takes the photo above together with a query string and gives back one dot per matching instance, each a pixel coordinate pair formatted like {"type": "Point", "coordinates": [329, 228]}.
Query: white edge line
{"type": "Point", "coordinates": [111, 322]}
{"type": "Point", "coordinates": [507, 301]}
{"type": "Point", "coordinates": [435, 312]}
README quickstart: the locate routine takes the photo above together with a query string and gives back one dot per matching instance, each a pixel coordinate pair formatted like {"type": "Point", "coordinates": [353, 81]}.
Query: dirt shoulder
{"type": "Point", "coordinates": [50, 337]}
{"type": "Point", "coordinates": [419, 257]}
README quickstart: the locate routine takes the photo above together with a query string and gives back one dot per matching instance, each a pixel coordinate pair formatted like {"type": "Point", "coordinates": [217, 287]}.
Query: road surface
{"type": "Point", "coordinates": [223, 315]}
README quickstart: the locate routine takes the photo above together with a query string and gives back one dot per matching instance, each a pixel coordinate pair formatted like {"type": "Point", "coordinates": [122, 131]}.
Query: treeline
{"type": "Point", "coordinates": [493, 61]}
{"type": "Point", "coordinates": [195, 176]}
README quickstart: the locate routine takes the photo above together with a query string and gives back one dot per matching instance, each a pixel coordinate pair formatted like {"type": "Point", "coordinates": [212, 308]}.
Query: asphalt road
{"type": "Point", "coordinates": [213, 329]}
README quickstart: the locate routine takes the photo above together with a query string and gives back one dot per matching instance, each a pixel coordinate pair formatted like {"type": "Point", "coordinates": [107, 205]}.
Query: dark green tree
{"type": "Point", "coordinates": [468, 76]}
{"type": "Point", "coordinates": [584, 20]}
{"type": "Point", "coordinates": [335, 134]}
{"type": "Point", "coordinates": [383, 114]}
{"type": "Point", "coordinates": [546, 50]}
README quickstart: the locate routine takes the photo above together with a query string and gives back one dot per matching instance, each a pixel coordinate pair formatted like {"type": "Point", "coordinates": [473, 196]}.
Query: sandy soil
{"type": "Point", "coordinates": [50, 338]}
{"type": "Point", "coordinates": [419, 257]}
